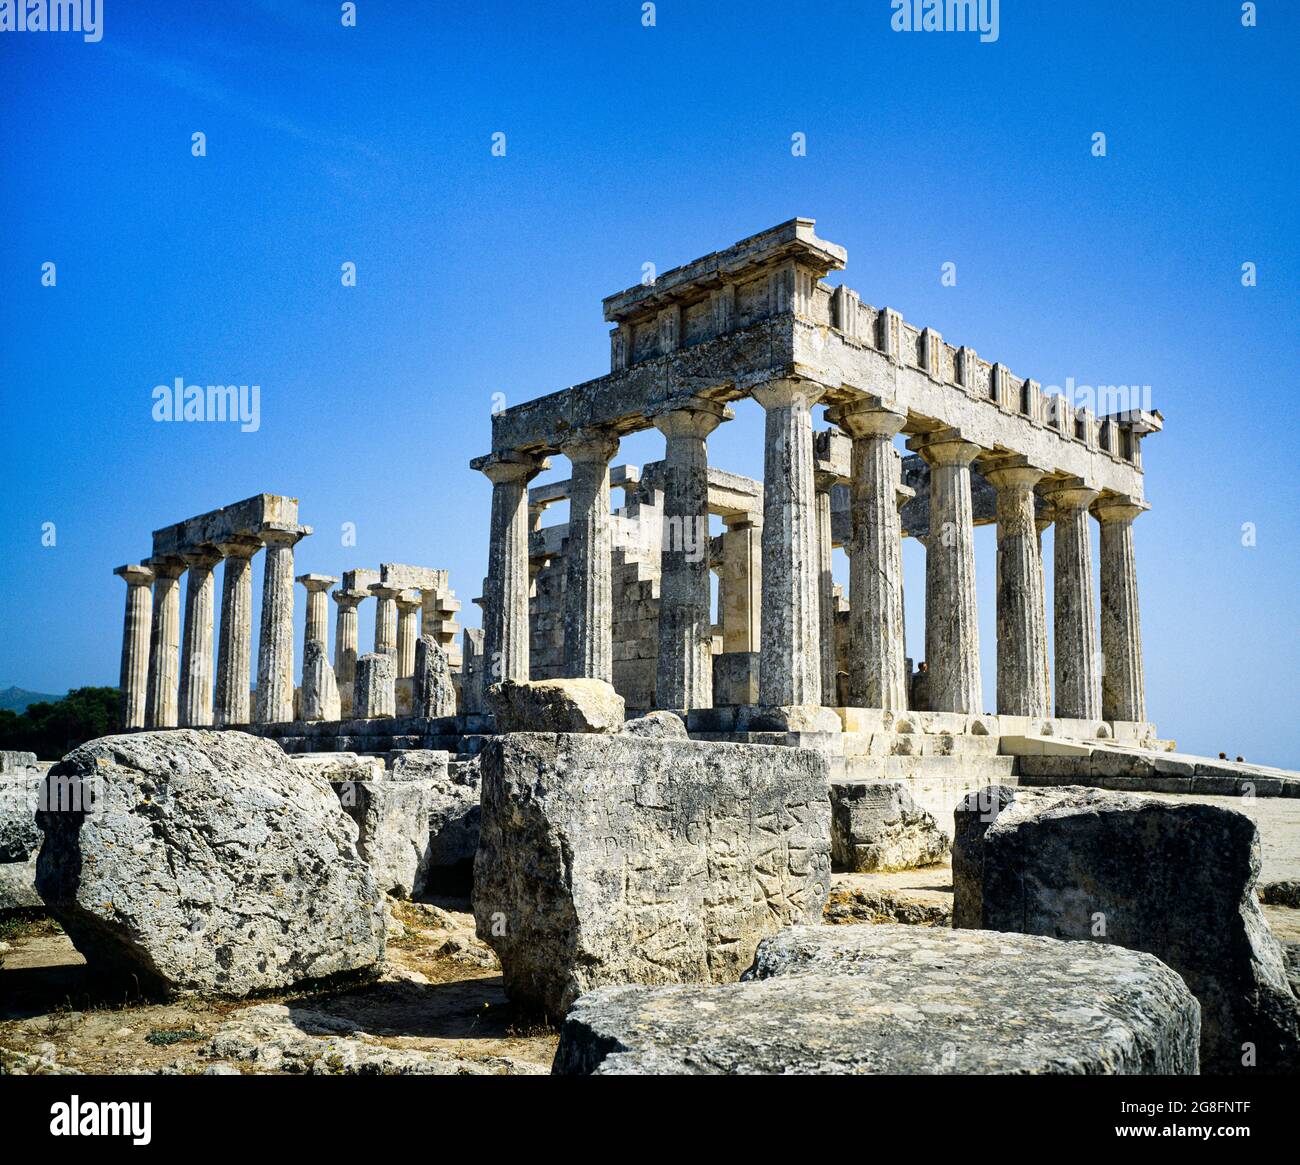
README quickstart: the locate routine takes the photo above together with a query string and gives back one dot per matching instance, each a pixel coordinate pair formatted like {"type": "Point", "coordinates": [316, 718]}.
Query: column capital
{"type": "Point", "coordinates": [787, 391]}
{"type": "Point", "coordinates": [316, 582]}
{"type": "Point", "coordinates": [583, 446]}
{"type": "Point", "coordinates": [944, 447]}
{"type": "Point", "coordinates": [510, 465]}
{"type": "Point", "coordinates": [203, 557]}
{"type": "Point", "coordinates": [351, 599]}
{"type": "Point", "coordinates": [409, 601]}
{"type": "Point", "coordinates": [1118, 508]}
{"type": "Point", "coordinates": [382, 591]}
{"type": "Point", "coordinates": [743, 520]}
{"type": "Point", "coordinates": [239, 546]}
{"type": "Point", "coordinates": [867, 417]}
{"type": "Point", "coordinates": [282, 533]}
{"type": "Point", "coordinates": [1070, 494]}
{"type": "Point", "coordinates": [135, 574]}
{"type": "Point", "coordinates": [695, 416]}
{"type": "Point", "coordinates": [1011, 473]}
{"type": "Point", "coordinates": [166, 566]}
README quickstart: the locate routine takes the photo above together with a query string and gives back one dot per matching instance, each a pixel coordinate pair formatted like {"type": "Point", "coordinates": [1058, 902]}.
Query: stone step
{"type": "Point", "coordinates": [992, 769]}
{"type": "Point", "coordinates": [918, 744]}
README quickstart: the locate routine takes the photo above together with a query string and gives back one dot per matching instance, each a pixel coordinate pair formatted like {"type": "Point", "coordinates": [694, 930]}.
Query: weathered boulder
{"type": "Point", "coordinates": [392, 830]}
{"type": "Point", "coordinates": [613, 859]}
{"type": "Point", "coordinates": [582, 705]}
{"type": "Point", "coordinates": [657, 725]}
{"type": "Point", "coordinates": [1283, 893]}
{"type": "Point", "coordinates": [320, 690]}
{"type": "Point", "coordinates": [18, 886]}
{"type": "Point", "coordinates": [876, 826]}
{"type": "Point", "coordinates": [339, 766]}
{"type": "Point", "coordinates": [1176, 879]}
{"type": "Point", "coordinates": [419, 764]}
{"type": "Point", "coordinates": [435, 692]}
{"type": "Point", "coordinates": [374, 694]}
{"type": "Point", "coordinates": [202, 862]}
{"type": "Point", "coordinates": [900, 1000]}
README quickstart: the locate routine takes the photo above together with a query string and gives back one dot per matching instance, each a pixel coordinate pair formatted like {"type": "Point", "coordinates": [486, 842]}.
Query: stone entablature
{"type": "Point", "coordinates": [240, 519]}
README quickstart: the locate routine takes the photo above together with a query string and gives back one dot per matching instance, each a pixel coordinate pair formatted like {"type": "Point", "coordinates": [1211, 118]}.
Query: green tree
{"type": "Point", "coordinates": [52, 729]}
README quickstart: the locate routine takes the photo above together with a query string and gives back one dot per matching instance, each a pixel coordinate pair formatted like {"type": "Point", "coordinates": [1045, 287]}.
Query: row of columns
{"type": "Point", "coordinates": [167, 665]}
{"type": "Point", "coordinates": [796, 631]}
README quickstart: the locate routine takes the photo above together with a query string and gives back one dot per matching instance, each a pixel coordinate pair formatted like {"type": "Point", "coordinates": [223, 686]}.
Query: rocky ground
{"type": "Point", "coordinates": [438, 1008]}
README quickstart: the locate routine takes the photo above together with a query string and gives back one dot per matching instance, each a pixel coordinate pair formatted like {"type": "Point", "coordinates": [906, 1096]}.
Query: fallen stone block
{"type": "Point", "coordinates": [582, 705]}
{"type": "Point", "coordinates": [903, 1000]}
{"type": "Point", "coordinates": [876, 826]}
{"type": "Point", "coordinates": [18, 886]}
{"type": "Point", "coordinates": [15, 762]}
{"type": "Point", "coordinates": [339, 766]}
{"type": "Point", "coordinates": [198, 862]}
{"type": "Point", "coordinates": [614, 859]}
{"type": "Point", "coordinates": [656, 725]}
{"type": "Point", "coordinates": [419, 764]}
{"type": "Point", "coordinates": [374, 694]}
{"type": "Point", "coordinates": [20, 836]}
{"type": "Point", "coordinates": [392, 820]}
{"type": "Point", "coordinates": [454, 829]}
{"type": "Point", "coordinates": [1284, 893]}
{"type": "Point", "coordinates": [1174, 879]}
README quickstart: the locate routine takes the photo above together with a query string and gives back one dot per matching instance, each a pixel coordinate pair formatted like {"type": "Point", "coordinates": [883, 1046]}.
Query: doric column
{"type": "Point", "coordinates": [588, 579]}
{"type": "Point", "coordinates": [408, 631]}
{"type": "Point", "coordinates": [1078, 683]}
{"type": "Point", "coordinates": [740, 593]}
{"type": "Point", "coordinates": [275, 646]}
{"type": "Point", "coordinates": [235, 642]}
{"type": "Point", "coordinates": [505, 608]}
{"type": "Point", "coordinates": [823, 481]}
{"type": "Point", "coordinates": [878, 665]}
{"type": "Point", "coordinates": [789, 671]}
{"type": "Point", "coordinates": [1123, 686]}
{"type": "Point", "coordinates": [161, 709]}
{"type": "Point", "coordinates": [952, 648]}
{"type": "Point", "coordinates": [1043, 519]}
{"type": "Point", "coordinates": [196, 643]}
{"type": "Point", "coordinates": [386, 618]}
{"type": "Point", "coordinates": [316, 628]}
{"type": "Point", "coordinates": [684, 669]}
{"type": "Point", "coordinates": [133, 681]}
{"type": "Point", "coordinates": [1022, 629]}
{"type": "Point", "coordinates": [345, 634]}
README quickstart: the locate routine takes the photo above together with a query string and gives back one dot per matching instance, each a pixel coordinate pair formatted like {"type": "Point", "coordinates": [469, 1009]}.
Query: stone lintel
{"type": "Point", "coordinates": [423, 578]}
{"type": "Point", "coordinates": [239, 518]}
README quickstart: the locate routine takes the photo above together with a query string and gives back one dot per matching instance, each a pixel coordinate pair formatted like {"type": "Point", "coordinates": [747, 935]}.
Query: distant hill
{"type": "Point", "coordinates": [17, 699]}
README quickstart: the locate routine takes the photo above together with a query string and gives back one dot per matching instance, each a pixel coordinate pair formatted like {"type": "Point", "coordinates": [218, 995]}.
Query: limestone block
{"type": "Point", "coordinates": [20, 836]}
{"type": "Point", "coordinates": [199, 862]}
{"type": "Point", "coordinates": [12, 762]}
{"type": "Point", "coordinates": [897, 999]}
{"type": "Point", "coordinates": [435, 694]}
{"type": "Point", "coordinates": [419, 764]}
{"type": "Point", "coordinates": [1171, 878]}
{"type": "Point", "coordinates": [657, 725]}
{"type": "Point", "coordinates": [613, 859]}
{"type": "Point", "coordinates": [320, 691]}
{"type": "Point", "coordinates": [18, 886]}
{"type": "Point", "coordinates": [392, 830]}
{"type": "Point", "coordinates": [454, 830]}
{"type": "Point", "coordinates": [571, 705]}
{"type": "Point", "coordinates": [875, 825]}
{"type": "Point", "coordinates": [374, 693]}
{"type": "Point", "coordinates": [338, 766]}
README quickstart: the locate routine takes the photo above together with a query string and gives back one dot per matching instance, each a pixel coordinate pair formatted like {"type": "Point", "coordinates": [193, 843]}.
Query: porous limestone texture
{"type": "Point", "coordinates": [899, 1000]}
{"type": "Point", "coordinates": [572, 705]}
{"type": "Point", "coordinates": [392, 830]}
{"type": "Point", "coordinates": [656, 726]}
{"type": "Point", "coordinates": [875, 825]}
{"type": "Point", "coordinates": [435, 694]}
{"type": "Point", "coordinates": [201, 862]}
{"type": "Point", "coordinates": [612, 859]}
{"type": "Point", "coordinates": [320, 690]}
{"type": "Point", "coordinates": [1171, 878]}
{"type": "Point", "coordinates": [375, 694]}
{"type": "Point", "coordinates": [20, 836]}
{"type": "Point", "coordinates": [454, 817]}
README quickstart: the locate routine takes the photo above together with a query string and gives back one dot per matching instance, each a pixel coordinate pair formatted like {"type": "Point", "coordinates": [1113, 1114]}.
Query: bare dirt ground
{"type": "Point", "coordinates": [438, 1008]}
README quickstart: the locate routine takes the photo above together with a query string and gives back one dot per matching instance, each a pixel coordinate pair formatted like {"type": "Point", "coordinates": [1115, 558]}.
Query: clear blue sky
{"type": "Point", "coordinates": [627, 144]}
